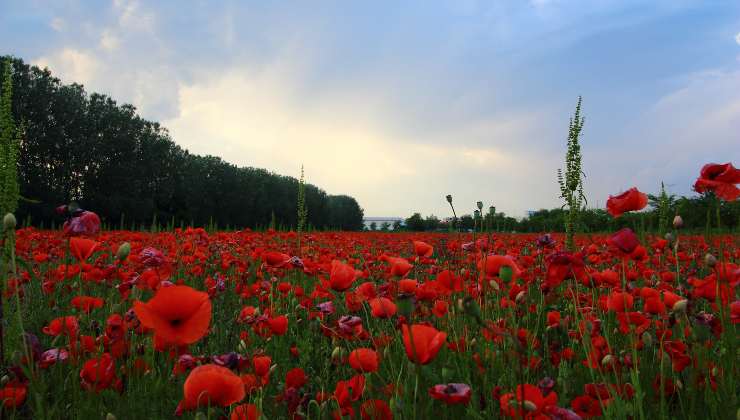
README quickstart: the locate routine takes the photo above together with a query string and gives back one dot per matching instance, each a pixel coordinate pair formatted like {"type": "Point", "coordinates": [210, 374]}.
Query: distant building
{"type": "Point", "coordinates": [379, 221]}
{"type": "Point", "coordinates": [531, 212]}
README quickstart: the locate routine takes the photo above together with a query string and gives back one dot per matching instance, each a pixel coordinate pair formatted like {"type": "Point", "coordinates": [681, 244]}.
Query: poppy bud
{"type": "Point", "coordinates": [449, 198]}
{"type": "Point", "coordinates": [710, 260]}
{"type": "Point", "coordinates": [336, 354]}
{"type": "Point", "coordinates": [480, 205]}
{"type": "Point", "coordinates": [679, 384]}
{"type": "Point", "coordinates": [4, 380]}
{"type": "Point", "coordinates": [608, 360]}
{"type": "Point", "coordinates": [505, 273]}
{"type": "Point", "coordinates": [680, 306]}
{"type": "Point", "coordinates": [9, 221]}
{"type": "Point", "coordinates": [471, 308]}
{"type": "Point", "coordinates": [677, 222]}
{"type": "Point", "coordinates": [446, 372]}
{"type": "Point", "coordinates": [520, 296]}
{"type": "Point", "coordinates": [494, 285]}
{"type": "Point", "coordinates": [669, 237]}
{"type": "Point", "coordinates": [405, 305]}
{"type": "Point", "coordinates": [123, 251]}
{"type": "Point", "coordinates": [242, 346]}
{"type": "Point", "coordinates": [647, 339]}
{"type": "Point", "coordinates": [110, 416]}
{"type": "Point", "coordinates": [200, 416]}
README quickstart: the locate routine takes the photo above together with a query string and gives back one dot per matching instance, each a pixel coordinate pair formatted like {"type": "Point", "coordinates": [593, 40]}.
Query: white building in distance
{"type": "Point", "coordinates": [379, 221]}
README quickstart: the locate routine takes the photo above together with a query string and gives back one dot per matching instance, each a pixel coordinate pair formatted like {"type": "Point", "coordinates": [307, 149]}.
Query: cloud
{"type": "Point", "coordinates": [58, 24]}
{"type": "Point", "coordinates": [75, 65]}
{"type": "Point", "coordinates": [737, 38]}
{"type": "Point", "coordinates": [681, 131]}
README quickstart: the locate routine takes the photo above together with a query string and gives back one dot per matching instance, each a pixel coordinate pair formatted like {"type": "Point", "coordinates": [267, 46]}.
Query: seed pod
{"type": "Point", "coordinates": [710, 260]}
{"type": "Point", "coordinates": [123, 251]}
{"type": "Point", "coordinates": [680, 306]}
{"type": "Point", "coordinates": [110, 416]}
{"type": "Point", "coordinates": [677, 222]}
{"type": "Point", "coordinates": [9, 221]}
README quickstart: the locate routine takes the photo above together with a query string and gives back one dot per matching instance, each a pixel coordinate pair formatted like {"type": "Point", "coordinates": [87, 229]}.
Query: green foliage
{"type": "Point", "coordinates": [571, 182]}
{"type": "Point", "coordinates": [415, 223]}
{"type": "Point", "coordinates": [302, 209]}
{"type": "Point", "coordinates": [665, 205]}
{"type": "Point", "coordinates": [9, 143]}
{"type": "Point", "coordinates": [86, 147]}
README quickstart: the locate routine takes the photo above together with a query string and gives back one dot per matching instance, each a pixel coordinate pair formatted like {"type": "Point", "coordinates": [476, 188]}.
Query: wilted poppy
{"type": "Point", "coordinates": [85, 223]}
{"type": "Point", "coordinates": [426, 343]}
{"type": "Point", "coordinates": [211, 385]}
{"type": "Point", "coordinates": [625, 240]}
{"type": "Point", "coordinates": [720, 179]}
{"type": "Point", "coordinates": [451, 393]}
{"type": "Point", "coordinates": [179, 315]}
{"type": "Point", "coordinates": [630, 200]}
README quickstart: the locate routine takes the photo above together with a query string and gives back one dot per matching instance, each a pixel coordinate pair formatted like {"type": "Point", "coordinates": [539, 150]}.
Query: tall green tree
{"type": "Point", "coordinates": [9, 143]}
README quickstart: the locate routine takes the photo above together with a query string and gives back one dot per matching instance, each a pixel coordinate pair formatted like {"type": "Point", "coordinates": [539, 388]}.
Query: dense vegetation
{"type": "Point", "coordinates": [699, 213]}
{"type": "Point", "coordinates": [87, 148]}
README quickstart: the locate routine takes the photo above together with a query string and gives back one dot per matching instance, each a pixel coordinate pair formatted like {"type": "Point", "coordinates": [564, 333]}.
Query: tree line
{"type": "Point", "coordinates": [699, 213]}
{"type": "Point", "coordinates": [84, 147]}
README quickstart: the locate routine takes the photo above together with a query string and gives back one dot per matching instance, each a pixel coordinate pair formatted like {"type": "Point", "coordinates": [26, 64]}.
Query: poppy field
{"type": "Point", "coordinates": [247, 325]}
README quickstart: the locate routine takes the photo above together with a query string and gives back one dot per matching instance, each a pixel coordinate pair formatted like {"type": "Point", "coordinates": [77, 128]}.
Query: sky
{"type": "Point", "coordinates": [399, 103]}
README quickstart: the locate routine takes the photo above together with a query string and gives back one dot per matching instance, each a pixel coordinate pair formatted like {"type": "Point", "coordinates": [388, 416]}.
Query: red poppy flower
{"type": "Point", "coordinates": [350, 390]}
{"type": "Point", "coordinates": [295, 378]}
{"type": "Point", "coordinates": [82, 248]}
{"type": "Point", "coordinates": [363, 360]}
{"type": "Point", "coordinates": [720, 179]}
{"type": "Point", "coordinates": [279, 325]}
{"type": "Point", "coordinates": [342, 276]}
{"type": "Point", "coordinates": [492, 264]}
{"type": "Point", "coordinates": [375, 410]}
{"type": "Point", "coordinates": [245, 412]}
{"type": "Point", "coordinates": [63, 325]}
{"type": "Point", "coordinates": [399, 266]}
{"type": "Point", "coordinates": [586, 406]}
{"type": "Point", "coordinates": [275, 259]}
{"type": "Point", "coordinates": [427, 342]}
{"type": "Point", "coordinates": [407, 286]}
{"type": "Point", "coordinates": [451, 393]}
{"type": "Point", "coordinates": [423, 249]}
{"type": "Point", "coordinates": [211, 385]}
{"type": "Point", "coordinates": [619, 301]}
{"type": "Point", "coordinates": [382, 307]}
{"type": "Point", "coordinates": [530, 398]}
{"type": "Point", "coordinates": [87, 303]}
{"type": "Point", "coordinates": [440, 308]}
{"type": "Point", "coordinates": [261, 365]}
{"type": "Point", "coordinates": [98, 374]}
{"type": "Point", "coordinates": [625, 240]}
{"type": "Point", "coordinates": [13, 394]}
{"type": "Point", "coordinates": [630, 200]}
{"type": "Point", "coordinates": [179, 315]}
